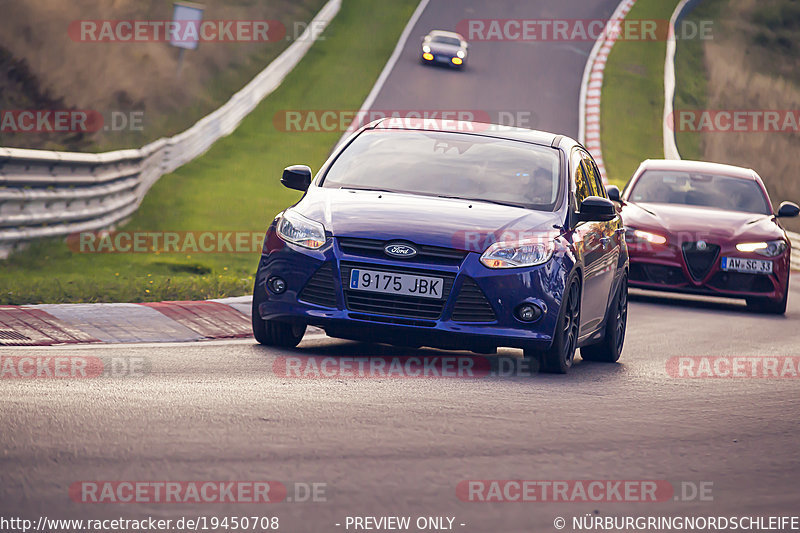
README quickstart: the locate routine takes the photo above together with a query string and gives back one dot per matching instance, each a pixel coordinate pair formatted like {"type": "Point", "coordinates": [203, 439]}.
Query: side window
{"type": "Point", "coordinates": [594, 178]}
{"type": "Point", "coordinates": [582, 187]}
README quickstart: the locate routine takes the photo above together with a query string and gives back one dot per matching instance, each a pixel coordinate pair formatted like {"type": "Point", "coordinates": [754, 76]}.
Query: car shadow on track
{"type": "Point", "coordinates": [690, 301]}
{"type": "Point", "coordinates": [352, 359]}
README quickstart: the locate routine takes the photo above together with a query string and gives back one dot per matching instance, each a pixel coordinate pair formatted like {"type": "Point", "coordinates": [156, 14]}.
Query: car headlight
{"type": "Point", "coordinates": [518, 254]}
{"type": "Point", "coordinates": [461, 54]}
{"type": "Point", "coordinates": [767, 249]}
{"type": "Point", "coordinates": [297, 229]}
{"type": "Point", "coordinates": [637, 236]}
{"type": "Point", "coordinates": [426, 48]}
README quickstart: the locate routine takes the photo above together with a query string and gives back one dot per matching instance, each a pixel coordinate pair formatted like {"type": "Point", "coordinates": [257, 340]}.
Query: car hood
{"type": "Point", "coordinates": [446, 222]}
{"type": "Point", "coordinates": [702, 222]}
{"type": "Point", "coordinates": [441, 48]}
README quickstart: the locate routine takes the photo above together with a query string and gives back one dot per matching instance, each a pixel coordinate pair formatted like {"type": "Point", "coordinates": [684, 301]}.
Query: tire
{"type": "Point", "coordinates": [609, 349]}
{"type": "Point", "coordinates": [271, 332]}
{"type": "Point", "coordinates": [559, 357]}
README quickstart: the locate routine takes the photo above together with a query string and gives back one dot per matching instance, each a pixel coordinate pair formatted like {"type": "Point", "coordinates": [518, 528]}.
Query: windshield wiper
{"type": "Point", "coordinates": [356, 188]}
{"type": "Point", "coordinates": [496, 202]}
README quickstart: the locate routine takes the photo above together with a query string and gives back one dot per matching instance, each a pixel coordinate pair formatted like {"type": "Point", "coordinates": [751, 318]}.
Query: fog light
{"type": "Point", "coordinates": [276, 285]}
{"type": "Point", "coordinates": [456, 60]}
{"type": "Point", "coordinates": [428, 56]}
{"type": "Point", "coordinates": [528, 312]}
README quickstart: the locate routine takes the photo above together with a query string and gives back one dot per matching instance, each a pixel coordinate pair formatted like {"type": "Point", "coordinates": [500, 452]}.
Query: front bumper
{"type": "Point", "coordinates": [433, 58]}
{"type": "Point", "coordinates": [315, 295]}
{"type": "Point", "coordinates": [667, 268]}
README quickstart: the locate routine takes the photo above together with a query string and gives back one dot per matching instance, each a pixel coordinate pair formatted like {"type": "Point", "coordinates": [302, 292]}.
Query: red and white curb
{"type": "Point", "coordinates": [592, 86]}
{"type": "Point", "coordinates": [51, 324]}
{"type": "Point", "coordinates": [176, 321]}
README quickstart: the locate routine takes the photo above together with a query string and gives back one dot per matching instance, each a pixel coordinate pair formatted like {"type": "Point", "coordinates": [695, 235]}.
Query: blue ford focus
{"type": "Point", "coordinates": [456, 236]}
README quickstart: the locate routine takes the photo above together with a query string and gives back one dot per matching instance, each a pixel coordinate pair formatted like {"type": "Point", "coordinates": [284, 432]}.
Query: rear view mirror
{"type": "Point", "coordinates": [788, 210]}
{"type": "Point", "coordinates": [613, 193]}
{"type": "Point", "coordinates": [597, 209]}
{"type": "Point", "coordinates": [296, 177]}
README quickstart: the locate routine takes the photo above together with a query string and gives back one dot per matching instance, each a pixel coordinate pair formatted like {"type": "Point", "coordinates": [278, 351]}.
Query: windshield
{"type": "Point", "coordinates": [452, 165]}
{"type": "Point", "coordinates": [706, 190]}
{"type": "Point", "coordinates": [446, 40]}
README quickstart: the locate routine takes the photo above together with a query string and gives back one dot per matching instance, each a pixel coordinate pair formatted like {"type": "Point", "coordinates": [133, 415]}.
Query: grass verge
{"type": "Point", "coordinates": [691, 87]}
{"type": "Point", "coordinates": [233, 187]}
{"type": "Point", "coordinates": [633, 97]}
{"type": "Point", "coordinates": [53, 71]}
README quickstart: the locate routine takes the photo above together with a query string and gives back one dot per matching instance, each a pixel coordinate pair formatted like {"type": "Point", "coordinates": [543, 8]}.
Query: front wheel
{"type": "Point", "coordinates": [271, 332]}
{"type": "Point", "coordinates": [609, 349]}
{"type": "Point", "coordinates": [559, 357]}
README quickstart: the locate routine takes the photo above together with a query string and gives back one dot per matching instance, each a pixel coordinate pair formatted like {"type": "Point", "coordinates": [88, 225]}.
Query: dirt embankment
{"type": "Point", "coordinates": [753, 63]}
{"type": "Point", "coordinates": [47, 68]}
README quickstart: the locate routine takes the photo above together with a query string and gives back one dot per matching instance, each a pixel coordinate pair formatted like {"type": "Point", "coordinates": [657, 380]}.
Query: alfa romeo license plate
{"type": "Point", "coordinates": [751, 266]}
{"type": "Point", "coordinates": [394, 283]}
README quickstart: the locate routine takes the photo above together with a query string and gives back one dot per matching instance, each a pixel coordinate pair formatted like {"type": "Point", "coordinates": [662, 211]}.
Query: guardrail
{"type": "Point", "coordinates": [53, 194]}
{"type": "Point", "coordinates": [668, 131]}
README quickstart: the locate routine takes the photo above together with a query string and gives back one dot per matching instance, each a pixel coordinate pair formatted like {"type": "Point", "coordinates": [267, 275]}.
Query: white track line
{"type": "Point", "coordinates": [670, 146]}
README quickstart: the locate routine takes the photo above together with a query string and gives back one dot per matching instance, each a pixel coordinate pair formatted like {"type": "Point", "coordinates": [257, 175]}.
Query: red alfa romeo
{"type": "Point", "coordinates": [706, 228]}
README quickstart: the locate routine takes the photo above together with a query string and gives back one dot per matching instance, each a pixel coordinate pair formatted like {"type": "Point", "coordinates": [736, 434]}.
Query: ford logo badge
{"type": "Point", "coordinates": [403, 251]}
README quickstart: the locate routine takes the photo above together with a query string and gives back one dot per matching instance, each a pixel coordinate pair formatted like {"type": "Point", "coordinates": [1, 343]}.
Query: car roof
{"type": "Point", "coordinates": [698, 166]}
{"type": "Point", "coordinates": [472, 128]}
{"type": "Point", "coordinates": [445, 33]}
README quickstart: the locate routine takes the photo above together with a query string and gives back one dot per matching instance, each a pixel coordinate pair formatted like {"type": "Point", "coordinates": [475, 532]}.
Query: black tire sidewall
{"type": "Point", "coordinates": [552, 360]}
{"type": "Point", "coordinates": [258, 323]}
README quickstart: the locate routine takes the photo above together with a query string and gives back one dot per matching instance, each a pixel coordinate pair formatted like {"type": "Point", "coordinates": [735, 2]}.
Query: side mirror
{"type": "Point", "coordinates": [788, 210]}
{"type": "Point", "coordinates": [613, 193]}
{"type": "Point", "coordinates": [296, 177]}
{"type": "Point", "coordinates": [597, 209]}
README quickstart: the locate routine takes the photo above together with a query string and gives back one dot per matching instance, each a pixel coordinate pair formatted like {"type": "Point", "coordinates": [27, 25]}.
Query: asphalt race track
{"type": "Point", "coordinates": [222, 410]}
{"type": "Point", "coordinates": [535, 83]}
{"type": "Point", "coordinates": [217, 410]}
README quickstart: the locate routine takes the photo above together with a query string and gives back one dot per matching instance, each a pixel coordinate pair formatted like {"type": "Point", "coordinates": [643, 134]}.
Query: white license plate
{"type": "Point", "coordinates": [753, 266]}
{"type": "Point", "coordinates": [393, 283]}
